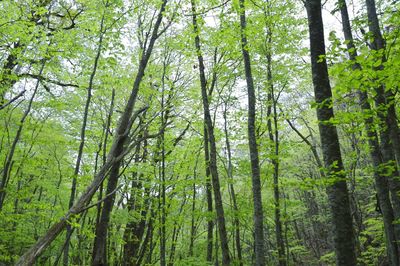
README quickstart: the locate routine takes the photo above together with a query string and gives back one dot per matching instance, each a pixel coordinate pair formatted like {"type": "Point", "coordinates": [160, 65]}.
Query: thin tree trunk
{"type": "Point", "coordinates": [236, 220]}
{"type": "Point", "coordinates": [162, 194]}
{"type": "Point", "coordinates": [210, 222]}
{"type": "Point", "coordinates": [274, 138]}
{"type": "Point", "coordinates": [213, 149]}
{"type": "Point", "coordinates": [82, 136]}
{"type": "Point", "coordinates": [193, 222]}
{"type": "Point", "coordinates": [255, 167]}
{"type": "Point", "coordinates": [337, 191]}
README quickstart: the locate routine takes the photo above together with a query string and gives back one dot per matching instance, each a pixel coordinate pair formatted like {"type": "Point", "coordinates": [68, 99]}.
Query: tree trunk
{"type": "Point", "coordinates": [236, 221]}
{"type": "Point", "coordinates": [274, 138]}
{"type": "Point", "coordinates": [213, 149]}
{"type": "Point", "coordinates": [255, 167]}
{"type": "Point", "coordinates": [337, 191]}
{"type": "Point", "coordinates": [210, 222]}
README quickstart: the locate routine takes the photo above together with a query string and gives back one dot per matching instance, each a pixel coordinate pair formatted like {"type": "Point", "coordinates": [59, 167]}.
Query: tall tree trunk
{"type": "Point", "coordinates": [255, 167]}
{"type": "Point", "coordinates": [213, 149]}
{"type": "Point", "coordinates": [381, 181]}
{"type": "Point", "coordinates": [130, 240]}
{"type": "Point", "coordinates": [337, 191]}
{"type": "Point", "coordinates": [274, 138]}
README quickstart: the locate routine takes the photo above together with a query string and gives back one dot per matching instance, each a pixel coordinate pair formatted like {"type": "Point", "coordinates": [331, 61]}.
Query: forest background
{"type": "Point", "coordinates": [185, 132]}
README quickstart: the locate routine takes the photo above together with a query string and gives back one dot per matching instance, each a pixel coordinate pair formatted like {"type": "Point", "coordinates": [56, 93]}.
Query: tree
{"type": "Point", "coordinates": [255, 168]}
{"type": "Point", "coordinates": [337, 190]}
{"type": "Point", "coordinates": [213, 150]}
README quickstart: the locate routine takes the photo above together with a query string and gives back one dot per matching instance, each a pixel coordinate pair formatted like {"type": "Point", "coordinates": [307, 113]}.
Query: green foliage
{"type": "Point", "coordinates": [168, 148]}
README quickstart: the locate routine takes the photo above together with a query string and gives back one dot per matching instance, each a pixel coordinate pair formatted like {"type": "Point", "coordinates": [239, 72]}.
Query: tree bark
{"type": "Point", "coordinates": [255, 167]}
{"type": "Point", "coordinates": [337, 189]}
{"type": "Point", "coordinates": [210, 222]}
{"type": "Point", "coordinates": [213, 149]}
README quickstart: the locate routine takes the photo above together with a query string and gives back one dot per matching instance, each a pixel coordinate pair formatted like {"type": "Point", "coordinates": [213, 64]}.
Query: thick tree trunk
{"type": "Point", "coordinates": [255, 167]}
{"type": "Point", "coordinates": [381, 181]}
{"type": "Point", "coordinates": [213, 149]}
{"type": "Point", "coordinates": [337, 191]}
{"type": "Point", "coordinates": [378, 44]}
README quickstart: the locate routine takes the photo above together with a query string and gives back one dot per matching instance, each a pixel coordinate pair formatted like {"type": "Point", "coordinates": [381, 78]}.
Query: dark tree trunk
{"type": "Point", "coordinates": [210, 222]}
{"type": "Point", "coordinates": [337, 191]}
{"type": "Point", "coordinates": [193, 221]}
{"type": "Point", "coordinates": [213, 149]}
{"type": "Point", "coordinates": [255, 167]}
{"type": "Point", "coordinates": [99, 253]}
{"type": "Point", "coordinates": [381, 181]}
